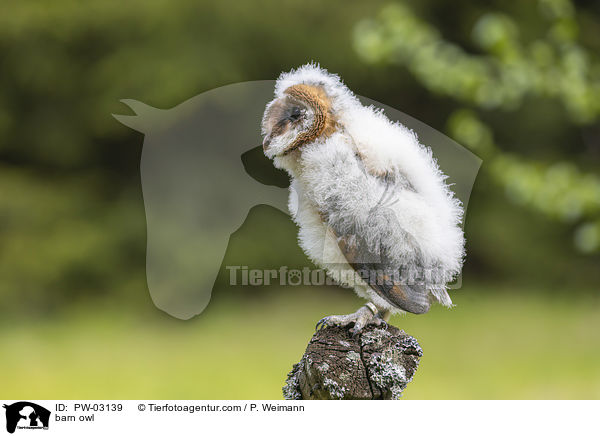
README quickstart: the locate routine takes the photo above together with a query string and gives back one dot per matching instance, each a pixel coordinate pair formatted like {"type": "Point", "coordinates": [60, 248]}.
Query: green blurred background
{"type": "Point", "coordinates": [518, 83]}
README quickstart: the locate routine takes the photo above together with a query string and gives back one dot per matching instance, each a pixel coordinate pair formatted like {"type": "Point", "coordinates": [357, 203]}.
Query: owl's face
{"type": "Point", "coordinates": [283, 122]}
{"type": "Point", "coordinates": [299, 117]}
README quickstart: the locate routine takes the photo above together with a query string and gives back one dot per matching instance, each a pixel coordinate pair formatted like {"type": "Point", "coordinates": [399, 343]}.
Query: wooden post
{"type": "Point", "coordinates": [376, 364]}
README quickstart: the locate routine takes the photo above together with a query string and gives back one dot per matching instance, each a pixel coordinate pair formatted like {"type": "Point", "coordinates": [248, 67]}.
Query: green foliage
{"type": "Point", "coordinates": [559, 190]}
{"type": "Point", "coordinates": [507, 72]}
{"type": "Point", "coordinates": [72, 225]}
{"type": "Point", "coordinates": [72, 214]}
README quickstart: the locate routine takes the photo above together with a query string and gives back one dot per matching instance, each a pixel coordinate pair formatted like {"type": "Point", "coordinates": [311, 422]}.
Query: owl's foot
{"type": "Point", "coordinates": [368, 314]}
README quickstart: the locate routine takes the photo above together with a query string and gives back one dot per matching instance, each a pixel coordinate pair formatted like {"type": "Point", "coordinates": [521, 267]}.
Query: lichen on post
{"type": "Point", "coordinates": [376, 364]}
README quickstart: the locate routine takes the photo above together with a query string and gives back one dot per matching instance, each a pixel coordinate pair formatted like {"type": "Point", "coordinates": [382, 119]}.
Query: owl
{"type": "Point", "coordinates": [371, 203]}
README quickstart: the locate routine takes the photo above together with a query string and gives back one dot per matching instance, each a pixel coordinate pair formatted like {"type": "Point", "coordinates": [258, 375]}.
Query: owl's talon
{"type": "Point", "coordinates": [361, 318]}
{"type": "Point", "coordinates": [321, 324]}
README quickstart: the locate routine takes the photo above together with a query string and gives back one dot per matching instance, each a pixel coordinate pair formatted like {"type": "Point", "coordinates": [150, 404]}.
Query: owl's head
{"type": "Point", "coordinates": [300, 116]}
{"type": "Point", "coordinates": [307, 107]}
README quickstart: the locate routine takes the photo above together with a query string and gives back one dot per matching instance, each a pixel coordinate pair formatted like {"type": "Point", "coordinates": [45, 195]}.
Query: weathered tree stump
{"type": "Point", "coordinates": [377, 364]}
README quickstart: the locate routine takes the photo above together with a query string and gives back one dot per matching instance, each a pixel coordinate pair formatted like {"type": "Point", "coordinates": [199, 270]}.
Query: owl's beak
{"type": "Point", "coordinates": [266, 142]}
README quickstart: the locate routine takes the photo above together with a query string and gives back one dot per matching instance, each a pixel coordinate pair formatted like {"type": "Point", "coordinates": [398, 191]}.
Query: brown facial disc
{"type": "Point", "coordinates": [323, 124]}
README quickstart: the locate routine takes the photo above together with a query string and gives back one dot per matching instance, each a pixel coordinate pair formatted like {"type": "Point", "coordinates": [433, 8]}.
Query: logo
{"type": "Point", "coordinates": [26, 415]}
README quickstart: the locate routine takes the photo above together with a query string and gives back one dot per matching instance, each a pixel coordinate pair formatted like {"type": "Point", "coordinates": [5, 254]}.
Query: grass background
{"type": "Point", "coordinates": [495, 344]}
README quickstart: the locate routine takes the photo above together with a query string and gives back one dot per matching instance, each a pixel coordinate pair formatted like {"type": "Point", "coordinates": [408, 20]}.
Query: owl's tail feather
{"type": "Point", "coordinates": [442, 297]}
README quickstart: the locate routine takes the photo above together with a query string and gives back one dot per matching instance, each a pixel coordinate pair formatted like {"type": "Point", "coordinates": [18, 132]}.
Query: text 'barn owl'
{"type": "Point", "coordinates": [370, 201]}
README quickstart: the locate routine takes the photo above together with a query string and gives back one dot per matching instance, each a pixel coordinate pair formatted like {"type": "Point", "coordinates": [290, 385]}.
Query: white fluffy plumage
{"type": "Point", "coordinates": [368, 177]}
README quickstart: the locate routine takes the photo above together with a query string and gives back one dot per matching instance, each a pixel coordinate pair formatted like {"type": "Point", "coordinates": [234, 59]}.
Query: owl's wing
{"type": "Point", "coordinates": [371, 261]}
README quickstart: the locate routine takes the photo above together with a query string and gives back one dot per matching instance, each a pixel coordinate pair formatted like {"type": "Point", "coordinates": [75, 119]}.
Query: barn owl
{"type": "Point", "coordinates": [372, 206]}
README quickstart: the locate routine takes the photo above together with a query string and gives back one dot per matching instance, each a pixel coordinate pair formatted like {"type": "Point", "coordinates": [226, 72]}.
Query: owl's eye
{"type": "Point", "coordinates": [295, 113]}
